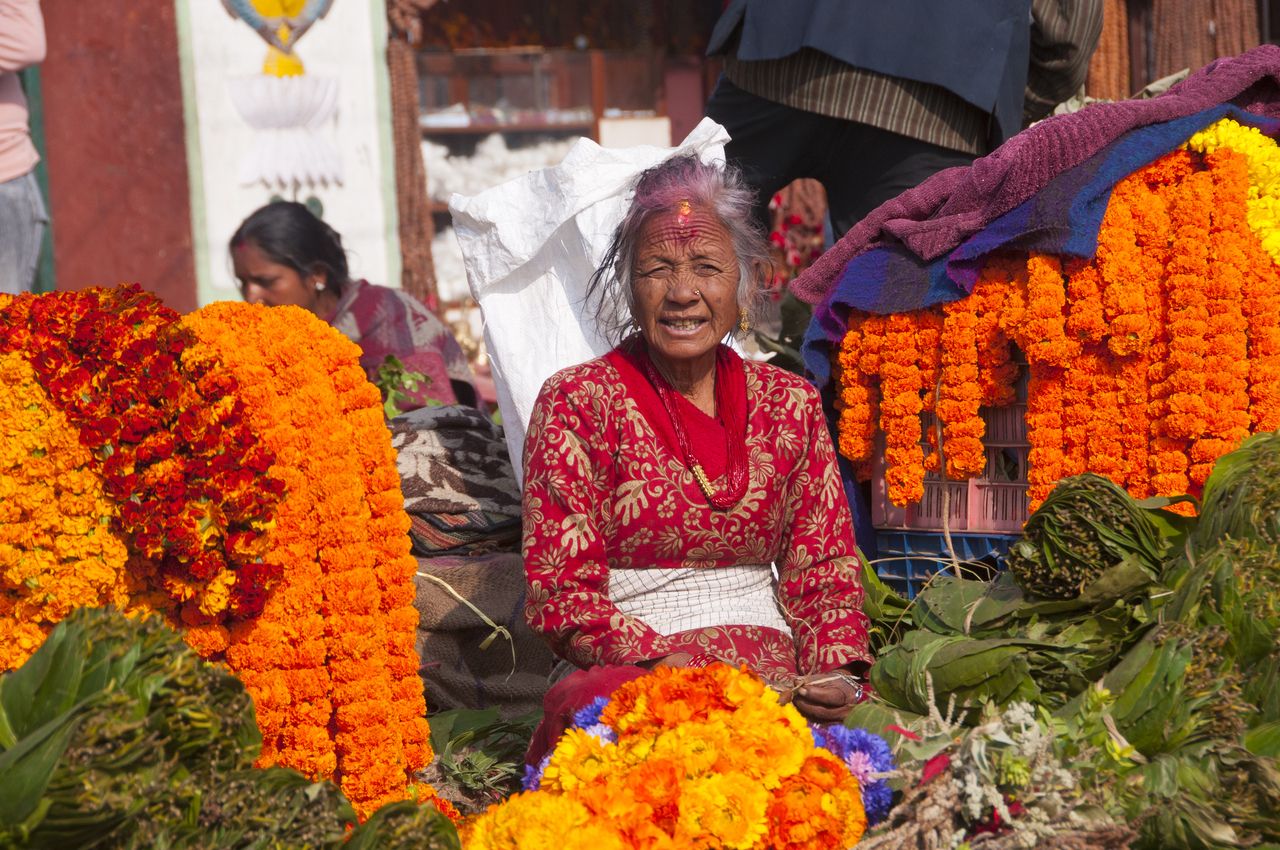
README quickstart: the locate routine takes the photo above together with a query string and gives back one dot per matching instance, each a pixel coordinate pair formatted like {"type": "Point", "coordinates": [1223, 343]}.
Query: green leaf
{"type": "Point", "coordinates": [1264, 740]}
{"type": "Point", "coordinates": [25, 769]}
{"type": "Point", "coordinates": [47, 685]}
{"type": "Point", "coordinates": [972, 670]}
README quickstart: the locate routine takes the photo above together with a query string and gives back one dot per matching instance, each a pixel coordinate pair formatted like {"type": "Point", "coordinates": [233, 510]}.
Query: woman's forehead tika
{"type": "Point", "coordinates": [682, 224]}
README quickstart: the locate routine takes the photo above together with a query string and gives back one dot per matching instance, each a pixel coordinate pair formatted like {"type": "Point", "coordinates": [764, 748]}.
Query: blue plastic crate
{"type": "Point", "coordinates": [908, 559]}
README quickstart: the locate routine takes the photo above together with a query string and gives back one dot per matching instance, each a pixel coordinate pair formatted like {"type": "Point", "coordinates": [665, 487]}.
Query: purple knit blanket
{"type": "Point", "coordinates": [940, 214]}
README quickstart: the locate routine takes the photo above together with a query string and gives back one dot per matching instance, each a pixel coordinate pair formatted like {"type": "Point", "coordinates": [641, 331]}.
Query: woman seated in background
{"type": "Point", "coordinates": [682, 505]}
{"type": "Point", "coordinates": [283, 254]}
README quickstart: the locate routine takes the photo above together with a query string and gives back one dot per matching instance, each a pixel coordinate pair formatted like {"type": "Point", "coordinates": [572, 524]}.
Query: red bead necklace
{"type": "Point", "coordinates": [735, 430]}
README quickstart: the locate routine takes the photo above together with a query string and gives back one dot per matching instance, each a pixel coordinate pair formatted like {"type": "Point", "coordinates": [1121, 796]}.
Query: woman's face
{"type": "Point", "coordinates": [263, 281]}
{"type": "Point", "coordinates": [685, 286]}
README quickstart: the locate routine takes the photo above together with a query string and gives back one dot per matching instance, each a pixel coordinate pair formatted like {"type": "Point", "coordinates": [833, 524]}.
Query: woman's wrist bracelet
{"type": "Point", "coordinates": [702, 659]}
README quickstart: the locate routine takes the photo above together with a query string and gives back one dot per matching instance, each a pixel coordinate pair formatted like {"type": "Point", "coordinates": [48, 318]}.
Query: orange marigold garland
{"type": "Point", "coordinates": [1123, 292]}
{"type": "Point", "coordinates": [1261, 294]}
{"type": "Point", "coordinates": [1149, 211]}
{"type": "Point", "coordinates": [928, 332]}
{"type": "Point", "coordinates": [335, 695]}
{"type": "Point", "coordinates": [1147, 363]}
{"type": "Point", "coordinates": [1045, 459]}
{"type": "Point", "coordinates": [1078, 415]}
{"type": "Point", "coordinates": [1227, 356]}
{"type": "Point", "coordinates": [1086, 320]}
{"type": "Point", "coordinates": [869, 364]}
{"type": "Point", "coordinates": [959, 394]}
{"type": "Point", "coordinates": [929, 348]}
{"type": "Point", "coordinates": [57, 549]}
{"type": "Point", "coordinates": [1042, 332]}
{"type": "Point", "coordinates": [1260, 301]}
{"type": "Point", "coordinates": [1106, 449]}
{"type": "Point", "coordinates": [997, 373]}
{"type": "Point", "coordinates": [858, 400]}
{"type": "Point", "coordinates": [900, 407]}
{"type": "Point", "coordinates": [1181, 409]}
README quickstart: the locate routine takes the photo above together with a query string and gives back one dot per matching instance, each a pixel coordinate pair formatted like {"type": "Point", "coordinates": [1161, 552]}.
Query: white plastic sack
{"type": "Point", "coordinates": [530, 246]}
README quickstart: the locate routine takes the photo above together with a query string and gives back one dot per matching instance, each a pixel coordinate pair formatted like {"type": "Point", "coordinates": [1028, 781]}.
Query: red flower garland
{"type": "Point", "coordinates": [175, 451]}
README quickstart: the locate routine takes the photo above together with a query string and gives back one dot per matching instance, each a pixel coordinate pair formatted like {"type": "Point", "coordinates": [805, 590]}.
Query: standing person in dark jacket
{"type": "Point", "coordinates": [870, 98]}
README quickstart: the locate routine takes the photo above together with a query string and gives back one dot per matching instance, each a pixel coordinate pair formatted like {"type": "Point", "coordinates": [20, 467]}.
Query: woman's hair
{"type": "Point", "coordinates": [663, 187]}
{"type": "Point", "coordinates": [289, 234]}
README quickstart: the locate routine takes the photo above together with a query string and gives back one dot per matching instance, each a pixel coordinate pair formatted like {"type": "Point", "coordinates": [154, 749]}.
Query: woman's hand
{"type": "Point", "coordinates": [675, 659]}
{"type": "Point", "coordinates": [827, 697]}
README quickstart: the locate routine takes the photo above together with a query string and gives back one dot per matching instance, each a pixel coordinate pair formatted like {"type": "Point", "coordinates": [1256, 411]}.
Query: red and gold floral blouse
{"type": "Point", "coordinates": [606, 488]}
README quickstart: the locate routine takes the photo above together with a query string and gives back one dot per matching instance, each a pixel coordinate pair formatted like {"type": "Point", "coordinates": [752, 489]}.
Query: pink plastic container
{"type": "Point", "coordinates": [995, 503]}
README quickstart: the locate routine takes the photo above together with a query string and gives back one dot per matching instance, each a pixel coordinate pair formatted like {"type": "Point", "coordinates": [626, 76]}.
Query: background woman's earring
{"type": "Point", "coordinates": [319, 286]}
{"type": "Point", "coordinates": [744, 324]}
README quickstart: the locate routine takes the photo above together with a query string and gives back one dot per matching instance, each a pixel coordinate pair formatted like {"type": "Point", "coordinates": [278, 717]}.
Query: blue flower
{"type": "Point", "coordinates": [866, 755]}
{"type": "Point", "coordinates": [602, 733]}
{"type": "Point", "coordinates": [589, 715]}
{"type": "Point", "coordinates": [533, 775]}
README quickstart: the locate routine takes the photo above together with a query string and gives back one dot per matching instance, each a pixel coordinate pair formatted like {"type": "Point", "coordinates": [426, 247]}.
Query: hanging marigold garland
{"type": "Point", "coordinates": [231, 470]}
{"type": "Point", "coordinates": [959, 394]}
{"type": "Point", "coordinates": [901, 386]}
{"type": "Point", "coordinates": [1227, 356]}
{"type": "Point", "coordinates": [339, 698]}
{"type": "Point", "coordinates": [57, 548]}
{"type": "Point", "coordinates": [1146, 363]}
{"type": "Point", "coordinates": [995, 300]}
{"type": "Point", "coordinates": [858, 402]}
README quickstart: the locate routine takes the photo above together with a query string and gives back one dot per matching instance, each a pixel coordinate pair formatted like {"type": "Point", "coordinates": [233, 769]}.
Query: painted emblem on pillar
{"type": "Point", "coordinates": [293, 112]}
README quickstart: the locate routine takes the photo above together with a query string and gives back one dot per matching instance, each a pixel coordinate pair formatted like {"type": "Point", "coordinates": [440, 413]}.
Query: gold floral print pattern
{"type": "Point", "coordinates": [603, 491]}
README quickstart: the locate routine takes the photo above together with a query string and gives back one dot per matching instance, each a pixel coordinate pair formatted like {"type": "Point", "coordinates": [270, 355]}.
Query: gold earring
{"type": "Point", "coordinates": [744, 324]}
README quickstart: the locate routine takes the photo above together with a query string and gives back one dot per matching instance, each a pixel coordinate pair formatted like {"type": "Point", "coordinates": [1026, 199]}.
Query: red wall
{"type": "Point", "coordinates": [115, 147]}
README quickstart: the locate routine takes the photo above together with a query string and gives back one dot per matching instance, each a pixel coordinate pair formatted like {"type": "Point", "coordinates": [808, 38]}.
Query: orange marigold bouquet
{"type": "Point", "coordinates": [231, 471]}
{"type": "Point", "coordinates": [1147, 362]}
{"type": "Point", "coordinates": [703, 757]}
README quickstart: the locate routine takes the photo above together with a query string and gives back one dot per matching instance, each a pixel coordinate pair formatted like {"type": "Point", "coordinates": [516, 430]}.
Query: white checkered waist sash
{"type": "Point", "coordinates": [679, 599]}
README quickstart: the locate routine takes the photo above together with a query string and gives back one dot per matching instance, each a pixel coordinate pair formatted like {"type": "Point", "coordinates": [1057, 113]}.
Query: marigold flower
{"type": "Point", "coordinates": [334, 685]}
{"type": "Point", "coordinates": [58, 550]}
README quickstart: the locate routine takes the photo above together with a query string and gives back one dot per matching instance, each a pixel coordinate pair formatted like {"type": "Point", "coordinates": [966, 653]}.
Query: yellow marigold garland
{"type": "Point", "coordinates": [1260, 296]}
{"type": "Point", "coordinates": [334, 693]}
{"type": "Point", "coordinates": [57, 548]}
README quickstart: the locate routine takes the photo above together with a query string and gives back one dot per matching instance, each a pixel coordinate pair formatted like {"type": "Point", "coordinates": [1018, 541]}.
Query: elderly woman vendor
{"type": "Point", "coordinates": [682, 505]}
